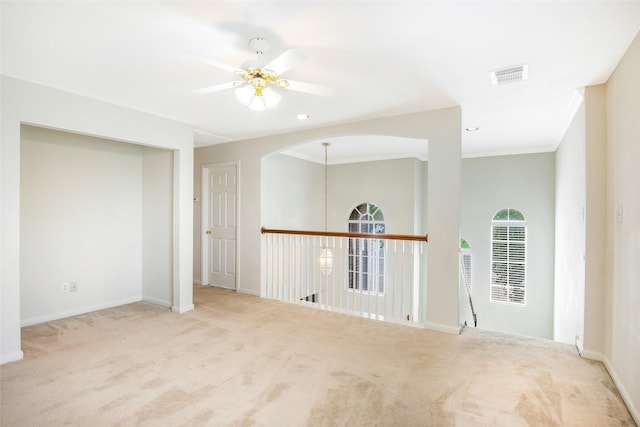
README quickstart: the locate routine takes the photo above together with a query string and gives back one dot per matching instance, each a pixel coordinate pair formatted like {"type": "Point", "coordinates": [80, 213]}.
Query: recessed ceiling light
{"type": "Point", "coordinates": [302, 116]}
{"type": "Point", "coordinates": [472, 129]}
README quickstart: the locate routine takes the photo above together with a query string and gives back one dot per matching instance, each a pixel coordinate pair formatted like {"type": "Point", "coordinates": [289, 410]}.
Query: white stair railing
{"type": "Point", "coordinates": [384, 279]}
{"type": "Point", "coordinates": [465, 282]}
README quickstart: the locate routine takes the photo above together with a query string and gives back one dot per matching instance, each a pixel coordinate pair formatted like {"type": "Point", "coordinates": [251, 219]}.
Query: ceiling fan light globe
{"type": "Point", "coordinates": [244, 94]}
{"type": "Point", "coordinates": [257, 103]}
{"type": "Point", "coordinates": [271, 97]}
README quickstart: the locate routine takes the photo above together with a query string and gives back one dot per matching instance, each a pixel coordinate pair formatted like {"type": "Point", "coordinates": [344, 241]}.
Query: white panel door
{"type": "Point", "coordinates": [221, 233]}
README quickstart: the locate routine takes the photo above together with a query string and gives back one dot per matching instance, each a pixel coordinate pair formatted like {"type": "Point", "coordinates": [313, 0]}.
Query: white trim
{"type": "Point", "coordinates": [577, 99]}
{"type": "Point", "coordinates": [182, 309]}
{"type": "Point", "coordinates": [511, 151]}
{"type": "Point", "coordinates": [204, 223]}
{"type": "Point", "coordinates": [156, 301]}
{"type": "Point", "coordinates": [204, 199]}
{"type": "Point", "coordinates": [78, 311]}
{"type": "Point", "coordinates": [238, 227]}
{"type": "Point", "coordinates": [11, 357]}
{"type": "Point", "coordinates": [454, 330]}
{"type": "Point", "coordinates": [249, 292]}
{"type": "Point", "coordinates": [594, 355]}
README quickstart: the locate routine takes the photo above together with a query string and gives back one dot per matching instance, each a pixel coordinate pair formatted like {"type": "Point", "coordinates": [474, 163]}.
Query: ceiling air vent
{"type": "Point", "coordinates": [510, 75]}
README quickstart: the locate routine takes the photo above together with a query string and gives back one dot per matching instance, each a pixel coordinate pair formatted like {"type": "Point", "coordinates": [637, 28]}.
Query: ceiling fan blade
{"type": "Point", "coordinates": [286, 61]}
{"type": "Point", "coordinates": [311, 88]}
{"type": "Point", "coordinates": [219, 87]}
{"type": "Point", "coordinates": [215, 63]}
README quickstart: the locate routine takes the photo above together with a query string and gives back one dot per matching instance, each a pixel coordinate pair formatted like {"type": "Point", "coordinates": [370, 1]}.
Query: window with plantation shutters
{"type": "Point", "coordinates": [508, 257]}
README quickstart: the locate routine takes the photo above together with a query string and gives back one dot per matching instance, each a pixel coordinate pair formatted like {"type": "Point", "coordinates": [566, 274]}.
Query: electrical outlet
{"type": "Point", "coordinates": [64, 287]}
{"type": "Point", "coordinates": [73, 287]}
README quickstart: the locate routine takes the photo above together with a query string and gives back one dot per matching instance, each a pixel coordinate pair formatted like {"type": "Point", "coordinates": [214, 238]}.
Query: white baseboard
{"type": "Point", "coordinates": [455, 330]}
{"type": "Point", "coordinates": [249, 292]}
{"type": "Point", "coordinates": [76, 311]}
{"type": "Point", "coordinates": [11, 357]}
{"type": "Point", "coordinates": [182, 309]}
{"type": "Point", "coordinates": [156, 301]}
{"type": "Point", "coordinates": [594, 355]}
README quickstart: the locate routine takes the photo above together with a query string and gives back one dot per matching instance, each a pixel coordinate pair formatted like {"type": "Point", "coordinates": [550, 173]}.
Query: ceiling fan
{"type": "Point", "coordinates": [260, 81]}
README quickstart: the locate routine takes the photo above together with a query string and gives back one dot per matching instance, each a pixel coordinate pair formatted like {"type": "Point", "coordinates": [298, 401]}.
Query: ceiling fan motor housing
{"type": "Point", "coordinates": [259, 45]}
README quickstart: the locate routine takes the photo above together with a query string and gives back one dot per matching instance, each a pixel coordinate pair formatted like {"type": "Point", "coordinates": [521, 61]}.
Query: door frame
{"type": "Point", "coordinates": [204, 222]}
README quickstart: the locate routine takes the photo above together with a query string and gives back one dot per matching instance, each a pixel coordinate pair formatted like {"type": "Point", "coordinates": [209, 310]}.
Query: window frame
{"type": "Point", "coordinates": [366, 258]}
{"type": "Point", "coordinates": [508, 258]}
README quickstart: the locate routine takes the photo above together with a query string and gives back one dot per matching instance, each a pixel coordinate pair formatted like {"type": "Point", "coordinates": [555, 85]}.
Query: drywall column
{"type": "Point", "coordinates": [621, 337]}
{"type": "Point", "coordinates": [443, 211]}
{"type": "Point", "coordinates": [157, 226]}
{"type": "Point", "coordinates": [183, 229]}
{"type": "Point", "coordinates": [595, 218]}
{"type": "Point", "coordinates": [10, 349]}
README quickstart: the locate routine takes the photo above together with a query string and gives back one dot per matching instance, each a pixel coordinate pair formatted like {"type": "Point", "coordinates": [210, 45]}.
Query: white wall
{"type": "Point", "coordinates": [568, 323]}
{"type": "Point", "coordinates": [84, 201]}
{"type": "Point", "coordinates": [442, 128]}
{"type": "Point", "coordinates": [27, 103]}
{"type": "Point", "coordinates": [596, 212]}
{"type": "Point", "coordinates": [389, 184]}
{"type": "Point", "coordinates": [157, 230]}
{"type": "Point", "coordinates": [80, 217]}
{"type": "Point", "coordinates": [293, 193]}
{"type": "Point", "coordinates": [622, 293]}
{"type": "Point", "coordinates": [524, 182]}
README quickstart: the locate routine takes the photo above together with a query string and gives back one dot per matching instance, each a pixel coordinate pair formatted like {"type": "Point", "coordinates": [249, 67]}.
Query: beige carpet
{"type": "Point", "coordinates": [239, 360]}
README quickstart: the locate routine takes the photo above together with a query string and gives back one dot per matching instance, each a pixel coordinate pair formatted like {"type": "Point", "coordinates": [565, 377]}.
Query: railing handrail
{"type": "Point", "coordinates": [418, 238]}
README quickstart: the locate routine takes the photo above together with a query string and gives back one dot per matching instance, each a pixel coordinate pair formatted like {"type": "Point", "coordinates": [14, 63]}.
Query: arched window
{"type": "Point", "coordinates": [366, 256]}
{"type": "Point", "coordinates": [508, 257]}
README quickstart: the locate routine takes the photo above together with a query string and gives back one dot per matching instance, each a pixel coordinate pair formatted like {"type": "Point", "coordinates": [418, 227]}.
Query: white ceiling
{"type": "Point", "coordinates": [381, 58]}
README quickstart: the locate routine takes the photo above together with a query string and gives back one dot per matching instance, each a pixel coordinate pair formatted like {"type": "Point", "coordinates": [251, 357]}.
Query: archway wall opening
{"type": "Point", "coordinates": [442, 128]}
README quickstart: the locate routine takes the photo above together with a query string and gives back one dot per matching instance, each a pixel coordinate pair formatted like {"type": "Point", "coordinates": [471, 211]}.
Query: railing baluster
{"type": "Point", "coordinates": [309, 272]}
{"type": "Point", "coordinates": [285, 267]}
{"type": "Point", "coordinates": [406, 279]}
{"type": "Point", "coordinates": [269, 247]}
{"type": "Point", "coordinates": [294, 269]}
{"type": "Point", "coordinates": [280, 283]}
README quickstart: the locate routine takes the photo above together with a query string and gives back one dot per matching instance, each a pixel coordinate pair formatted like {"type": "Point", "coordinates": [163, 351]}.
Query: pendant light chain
{"type": "Point", "coordinates": [326, 254]}
{"type": "Point", "coordinates": [326, 146]}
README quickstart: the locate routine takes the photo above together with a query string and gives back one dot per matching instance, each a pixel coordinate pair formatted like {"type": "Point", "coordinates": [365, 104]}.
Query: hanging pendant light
{"type": "Point", "coordinates": [326, 254]}
{"type": "Point", "coordinates": [326, 261]}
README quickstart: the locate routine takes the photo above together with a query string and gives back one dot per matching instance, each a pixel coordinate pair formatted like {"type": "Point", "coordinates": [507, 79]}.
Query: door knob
{"type": "Point", "coordinates": [208, 231]}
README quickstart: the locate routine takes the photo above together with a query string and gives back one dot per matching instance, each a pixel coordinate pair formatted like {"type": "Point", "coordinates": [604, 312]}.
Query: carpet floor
{"type": "Point", "coordinates": [239, 360]}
